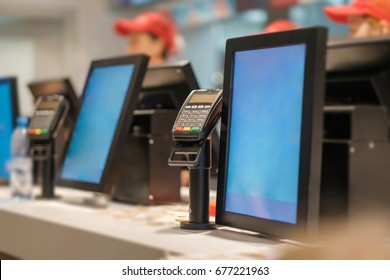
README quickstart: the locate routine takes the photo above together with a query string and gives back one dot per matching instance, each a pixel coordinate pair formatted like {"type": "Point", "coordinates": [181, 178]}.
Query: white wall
{"type": "Point", "coordinates": [17, 58]}
{"type": "Point", "coordinates": [66, 36]}
{"type": "Point", "coordinates": [69, 34]}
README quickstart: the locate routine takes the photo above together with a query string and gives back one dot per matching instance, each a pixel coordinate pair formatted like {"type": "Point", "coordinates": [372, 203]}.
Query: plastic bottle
{"type": "Point", "coordinates": [21, 163]}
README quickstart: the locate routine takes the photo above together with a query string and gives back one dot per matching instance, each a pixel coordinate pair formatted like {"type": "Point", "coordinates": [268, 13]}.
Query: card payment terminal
{"type": "Point", "coordinates": [191, 133]}
{"type": "Point", "coordinates": [46, 117]}
{"type": "Point", "coordinates": [198, 115]}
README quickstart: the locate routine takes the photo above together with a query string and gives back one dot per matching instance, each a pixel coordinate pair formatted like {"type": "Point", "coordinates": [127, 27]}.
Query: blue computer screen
{"type": "Point", "coordinates": [265, 133]}
{"type": "Point", "coordinates": [6, 126]}
{"type": "Point", "coordinates": [104, 98]}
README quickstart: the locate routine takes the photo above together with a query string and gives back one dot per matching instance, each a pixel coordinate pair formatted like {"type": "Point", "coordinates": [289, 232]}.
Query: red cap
{"type": "Point", "coordinates": [157, 23]}
{"type": "Point", "coordinates": [280, 25]}
{"type": "Point", "coordinates": [379, 9]}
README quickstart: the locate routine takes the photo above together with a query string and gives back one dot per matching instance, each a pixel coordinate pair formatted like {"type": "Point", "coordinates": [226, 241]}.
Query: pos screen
{"type": "Point", "coordinates": [110, 95]}
{"type": "Point", "coordinates": [8, 113]}
{"type": "Point", "coordinates": [273, 193]}
{"type": "Point", "coordinates": [271, 106]}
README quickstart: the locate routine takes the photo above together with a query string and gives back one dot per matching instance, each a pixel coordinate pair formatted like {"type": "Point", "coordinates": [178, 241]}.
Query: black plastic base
{"type": "Point", "coordinates": [194, 226]}
{"type": "Point", "coordinates": [43, 197]}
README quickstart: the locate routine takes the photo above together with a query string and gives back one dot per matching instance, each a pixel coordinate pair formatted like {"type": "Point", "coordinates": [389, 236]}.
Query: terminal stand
{"type": "Point", "coordinates": [46, 155]}
{"type": "Point", "coordinates": [142, 175]}
{"type": "Point", "coordinates": [92, 199]}
{"type": "Point", "coordinates": [197, 157]}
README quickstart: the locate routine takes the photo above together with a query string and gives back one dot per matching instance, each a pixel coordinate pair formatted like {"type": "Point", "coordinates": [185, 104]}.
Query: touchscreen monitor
{"type": "Point", "coordinates": [8, 114]}
{"type": "Point", "coordinates": [272, 122]}
{"type": "Point", "coordinates": [110, 95]}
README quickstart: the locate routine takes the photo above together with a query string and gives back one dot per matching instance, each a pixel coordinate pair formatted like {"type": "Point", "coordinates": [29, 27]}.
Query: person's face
{"type": "Point", "coordinates": [144, 43]}
{"type": "Point", "coordinates": [361, 26]}
{"type": "Point", "coordinates": [358, 26]}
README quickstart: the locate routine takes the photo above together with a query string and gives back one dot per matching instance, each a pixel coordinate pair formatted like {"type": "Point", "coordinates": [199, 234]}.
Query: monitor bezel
{"type": "Point", "coordinates": [363, 55]}
{"type": "Point", "coordinates": [15, 108]}
{"type": "Point", "coordinates": [312, 114]}
{"type": "Point", "coordinates": [124, 121]}
{"type": "Point", "coordinates": [359, 60]}
{"type": "Point", "coordinates": [188, 74]}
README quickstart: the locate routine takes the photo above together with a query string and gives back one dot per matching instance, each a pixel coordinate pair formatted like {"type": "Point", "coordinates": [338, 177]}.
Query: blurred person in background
{"type": "Point", "coordinates": [364, 18]}
{"type": "Point", "coordinates": [150, 33]}
{"type": "Point", "coordinates": [153, 34]}
{"type": "Point", "coordinates": [280, 25]}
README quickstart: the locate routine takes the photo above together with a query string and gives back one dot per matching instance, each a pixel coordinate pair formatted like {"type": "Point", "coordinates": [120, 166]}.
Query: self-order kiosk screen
{"type": "Point", "coordinates": [265, 133]}
{"type": "Point", "coordinates": [94, 132]}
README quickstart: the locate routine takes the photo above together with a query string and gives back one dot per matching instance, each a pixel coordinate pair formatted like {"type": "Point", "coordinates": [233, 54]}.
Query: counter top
{"type": "Point", "coordinates": [64, 229]}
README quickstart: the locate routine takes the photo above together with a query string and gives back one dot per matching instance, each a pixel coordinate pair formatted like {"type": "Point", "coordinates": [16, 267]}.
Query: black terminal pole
{"type": "Point", "coordinates": [200, 192]}
{"type": "Point", "coordinates": [48, 172]}
{"type": "Point", "coordinates": [44, 154]}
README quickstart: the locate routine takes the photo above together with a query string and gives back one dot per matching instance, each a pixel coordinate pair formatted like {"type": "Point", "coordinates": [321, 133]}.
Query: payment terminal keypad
{"type": "Point", "coordinates": [46, 117]}
{"type": "Point", "coordinates": [192, 118]}
{"type": "Point", "coordinates": [41, 122]}
{"type": "Point", "coordinates": [198, 115]}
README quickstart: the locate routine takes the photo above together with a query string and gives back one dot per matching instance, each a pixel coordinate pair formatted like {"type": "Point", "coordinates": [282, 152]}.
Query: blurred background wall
{"type": "Point", "coordinates": [42, 39]}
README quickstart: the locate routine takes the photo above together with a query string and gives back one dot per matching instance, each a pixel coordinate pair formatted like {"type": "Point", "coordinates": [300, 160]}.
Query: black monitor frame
{"type": "Point", "coordinates": [12, 81]}
{"type": "Point", "coordinates": [125, 119]}
{"type": "Point", "coordinates": [311, 132]}
{"type": "Point", "coordinates": [164, 79]}
{"type": "Point", "coordinates": [360, 60]}
{"type": "Point", "coordinates": [51, 87]}
{"type": "Point", "coordinates": [358, 55]}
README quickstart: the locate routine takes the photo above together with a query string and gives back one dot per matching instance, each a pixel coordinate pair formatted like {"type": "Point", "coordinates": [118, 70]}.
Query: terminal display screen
{"type": "Point", "coordinates": [61, 86]}
{"type": "Point", "coordinates": [265, 133]}
{"type": "Point", "coordinates": [6, 126]}
{"type": "Point", "coordinates": [104, 99]}
{"type": "Point", "coordinates": [48, 105]}
{"type": "Point", "coordinates": [202, 98]}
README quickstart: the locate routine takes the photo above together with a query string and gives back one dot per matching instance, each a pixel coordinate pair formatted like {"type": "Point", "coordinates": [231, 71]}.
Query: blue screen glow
{"type": "Point", "coordinates": [92, 139]}
{"type": "Point", "coordinates": [265, 133]}
{"type": "Point", "coordinates": [6, 127]}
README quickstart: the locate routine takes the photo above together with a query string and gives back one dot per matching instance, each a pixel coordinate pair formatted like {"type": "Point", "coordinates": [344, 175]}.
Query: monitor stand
{"type": "Point", "coordinates": [93, 199]}
{"type": "Point", "coordinates": [98, 200]}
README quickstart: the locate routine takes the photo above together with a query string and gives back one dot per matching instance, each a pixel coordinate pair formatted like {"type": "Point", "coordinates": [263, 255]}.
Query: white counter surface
{"type": "Point", "coordinates": [54, 229]}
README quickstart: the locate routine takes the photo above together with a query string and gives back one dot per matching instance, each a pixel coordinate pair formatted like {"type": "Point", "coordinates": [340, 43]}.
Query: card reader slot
{"type": "Point", "coordinates": [184, 156]}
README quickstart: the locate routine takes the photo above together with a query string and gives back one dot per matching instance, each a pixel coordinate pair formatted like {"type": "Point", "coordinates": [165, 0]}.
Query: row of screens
{"type": "Point", "coordinates": [272, 105]}
{"type": "Point", "coordinates": [106, 104]}
{"type": "Point", "coordinates": [267, 194]}
{"type": "Point", "coordinates": [270, 156]}
{"type": "Point", "coordinates": [163, 87]}
{"type": "Point", "coordinates": [111, 94]}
